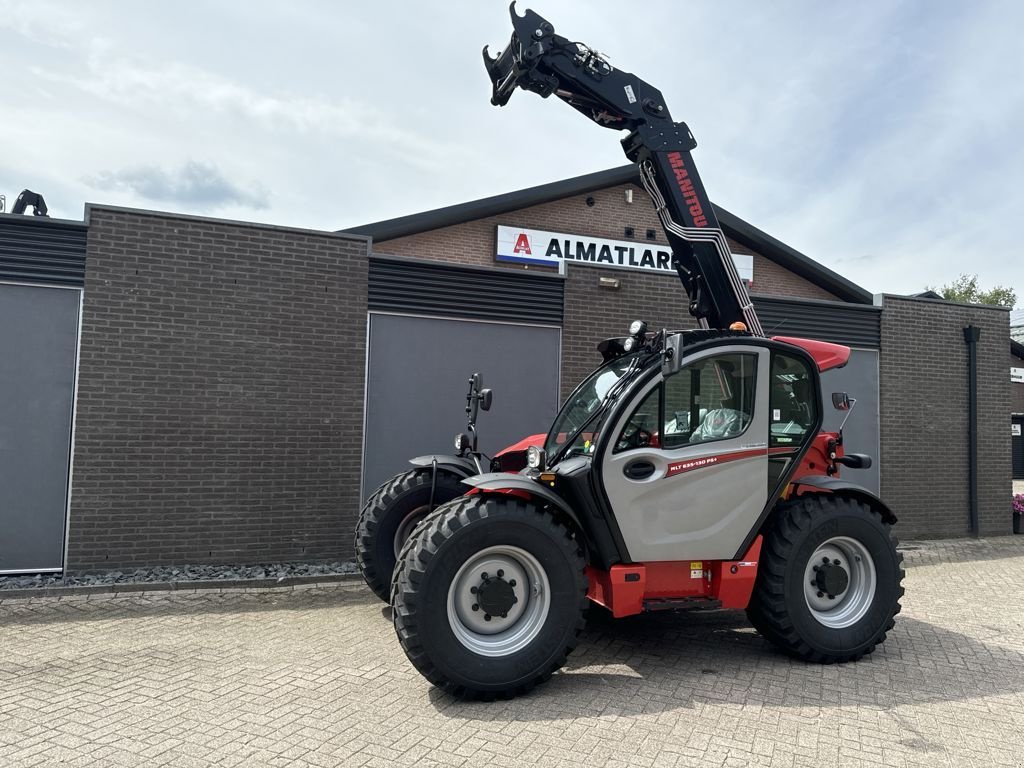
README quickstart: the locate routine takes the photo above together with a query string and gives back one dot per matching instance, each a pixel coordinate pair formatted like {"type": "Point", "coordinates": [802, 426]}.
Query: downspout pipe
{"type": "Point", "coordinates": [971, 335]}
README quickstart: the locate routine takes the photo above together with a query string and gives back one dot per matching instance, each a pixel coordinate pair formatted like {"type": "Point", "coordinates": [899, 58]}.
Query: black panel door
{"type": "Point", "coordinates": [416, 387]}
{"type": "Point", "coordinates": [38, 346]}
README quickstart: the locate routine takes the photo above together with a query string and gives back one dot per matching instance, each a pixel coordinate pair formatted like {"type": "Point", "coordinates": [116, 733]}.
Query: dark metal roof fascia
{"type": "Point", "coordinates": [418, 287]}
{"type": "Point", "coordinates": [41, 250]}
{"type": "Point", "coordinates": [1016, 348]}
{"type": "Point", "coordinates": [856, 325]}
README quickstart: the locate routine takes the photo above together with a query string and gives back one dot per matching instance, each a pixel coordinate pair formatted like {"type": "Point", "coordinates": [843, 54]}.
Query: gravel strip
{"type": "Point", "coordinates": [269, 573]}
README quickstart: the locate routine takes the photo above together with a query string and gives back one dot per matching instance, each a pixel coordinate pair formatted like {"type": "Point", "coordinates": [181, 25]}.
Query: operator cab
{"type": "Point", "coordinates": [683, 439]}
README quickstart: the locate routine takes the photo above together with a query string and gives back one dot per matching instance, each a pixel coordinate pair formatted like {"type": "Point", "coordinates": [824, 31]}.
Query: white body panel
{"type": "Point", "coordinates": [705, 511]}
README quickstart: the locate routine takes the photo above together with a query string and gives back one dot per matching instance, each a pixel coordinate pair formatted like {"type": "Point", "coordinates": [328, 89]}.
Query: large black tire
{"type": "Point", "coordinates": [781, 610]}
{"type": "Point", "coordinates": [399, 503]}
{"type": "Point", "coordinates": [440, 556]}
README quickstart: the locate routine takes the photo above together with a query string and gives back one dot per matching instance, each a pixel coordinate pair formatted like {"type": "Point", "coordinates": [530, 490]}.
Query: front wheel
{"type": "Point", "coordinates": [830, 579]}
{"type": "Point", "coordinates": [488, 596]}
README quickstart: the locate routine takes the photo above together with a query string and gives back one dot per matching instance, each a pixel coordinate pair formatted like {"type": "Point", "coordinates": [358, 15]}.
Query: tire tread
{"type": "Point", "coordinates": [422, 547]}
{"type": "Point", "coordinates": [768, 610]}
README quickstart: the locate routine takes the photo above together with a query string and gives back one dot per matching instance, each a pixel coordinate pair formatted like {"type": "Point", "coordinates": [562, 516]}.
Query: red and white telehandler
{"type": "Point", "coordinates": [688, 471]}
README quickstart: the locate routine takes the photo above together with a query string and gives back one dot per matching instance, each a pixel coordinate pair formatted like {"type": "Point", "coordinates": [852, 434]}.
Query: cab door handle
{"type": "Point", "coordinates": [638, 470]}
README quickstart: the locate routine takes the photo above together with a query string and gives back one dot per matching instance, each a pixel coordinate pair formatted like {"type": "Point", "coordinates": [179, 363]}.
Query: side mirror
{"type": "Point", "coordinates": [841, 401]}
{"type": "Point", "coordinates": [672, 355]}
{"type": "Point", "coordinates": [476, 381]}
{"type": "Point", "coordinates": [486, 396]}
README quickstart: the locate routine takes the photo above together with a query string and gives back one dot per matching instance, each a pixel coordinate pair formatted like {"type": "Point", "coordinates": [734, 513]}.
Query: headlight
{"type": "Point", "coordinates": [629, 343]}
{"type": "Point", "coordinates": [461, 442]}
{"type": "Point", "coordinates": [535, 457]}
{"type": "Point", "coordinates": [637, 327]}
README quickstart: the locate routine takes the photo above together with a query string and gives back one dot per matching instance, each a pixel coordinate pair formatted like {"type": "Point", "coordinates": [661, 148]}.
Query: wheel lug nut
{"type": "Point", "coordinates": [514, 600]}
{"type": "Point", "coordinates": [500, 573]}
{"type": "Point", "coordinates": [816, 567]}
{"type": "Point", "coordinates": [476, 607]}
{"type": "Point", "coordinates": [473, 590]}
{"type": "Point", "coordinates": [487, 617]}
{"type": "Point", "coordinates": [512, 583]}
{"type": "Point", "coordinates": [831, 597]}
{"type": "Point", "coordinates": [824, 560]}
{"type": "Point", "coordinates": [504, 615]}
{"type": "Point", "coordinates": [821, 594]}
{"type": "Point", "coordinates": [484, 574]}
{"type": "Point", "coordinates": [813, 582]}
{"type": "Point", "coordinates": [836, 561]}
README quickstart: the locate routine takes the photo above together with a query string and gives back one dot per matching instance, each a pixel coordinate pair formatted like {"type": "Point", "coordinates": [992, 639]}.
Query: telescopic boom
{"type": "Point", "coordinates": [538, 60]}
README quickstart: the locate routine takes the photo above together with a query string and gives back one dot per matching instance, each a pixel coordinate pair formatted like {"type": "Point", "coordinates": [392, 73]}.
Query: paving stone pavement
{"type": "Point", "coordinates": [315, 677]}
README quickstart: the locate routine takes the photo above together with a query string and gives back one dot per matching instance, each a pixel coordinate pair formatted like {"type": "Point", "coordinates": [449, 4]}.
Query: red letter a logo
{"type": "Point", "coordinates": [522, 245]}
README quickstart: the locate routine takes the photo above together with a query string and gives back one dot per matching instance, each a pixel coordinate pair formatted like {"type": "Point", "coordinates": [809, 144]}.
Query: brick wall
{"type": "Point", "coordinates": [924, 429]}
{"type": "Point", "coordinates": [474, 242]}
{"type": "Point", "coordinates": [220, 397]}
{"type": "Point", "coordinates": [593, 313]}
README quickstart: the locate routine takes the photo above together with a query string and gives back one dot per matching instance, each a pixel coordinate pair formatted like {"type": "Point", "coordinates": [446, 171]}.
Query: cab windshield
{"type": "Point", "coordinates": [582, 405]}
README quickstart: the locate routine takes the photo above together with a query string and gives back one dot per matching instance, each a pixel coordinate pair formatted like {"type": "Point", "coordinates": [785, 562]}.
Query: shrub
{"type": "Point", "coordinates": [1018, 503]}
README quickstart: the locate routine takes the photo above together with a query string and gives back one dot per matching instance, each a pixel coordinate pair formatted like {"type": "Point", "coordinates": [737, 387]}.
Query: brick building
{"type": "Point", "coordinates": [214, 391]}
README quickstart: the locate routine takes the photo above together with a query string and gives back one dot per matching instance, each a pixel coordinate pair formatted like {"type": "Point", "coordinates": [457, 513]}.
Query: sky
{"type": "Point", "coordinates": [882, 139]}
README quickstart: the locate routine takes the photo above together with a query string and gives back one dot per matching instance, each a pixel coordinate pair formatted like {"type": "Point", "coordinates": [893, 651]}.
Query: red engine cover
{"type": "Point", "coordinates": [826, 355]}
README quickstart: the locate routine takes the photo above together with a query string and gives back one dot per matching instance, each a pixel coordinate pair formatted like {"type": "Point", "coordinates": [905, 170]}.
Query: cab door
{"type": "Point", "coordinates": [687, 473]}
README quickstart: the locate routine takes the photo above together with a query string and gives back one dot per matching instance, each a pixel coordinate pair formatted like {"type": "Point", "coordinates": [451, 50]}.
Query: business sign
{"type": "Point", "coordinates": [556, 249]}
{"type": "Point", "coordinates": [1017, 375]}
{"type": "Point", "coordinates": [1015, 430]}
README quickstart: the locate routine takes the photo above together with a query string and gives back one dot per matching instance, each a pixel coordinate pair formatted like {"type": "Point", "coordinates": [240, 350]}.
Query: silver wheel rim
{"type": "Point", "coordinates": [507, 634]}
{"type": "Point", "coordinates": [849, 605]}
{"type": "Point", "coordinates": [407, 526]}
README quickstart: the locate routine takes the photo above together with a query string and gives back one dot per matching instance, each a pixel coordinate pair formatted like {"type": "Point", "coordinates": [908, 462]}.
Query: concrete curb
{"type": "Point", "coordinates": [220, 585]}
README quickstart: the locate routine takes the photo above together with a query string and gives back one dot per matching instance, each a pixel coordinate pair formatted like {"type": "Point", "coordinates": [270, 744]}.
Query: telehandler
{"type": "Point", "coordinates": [688, 471]}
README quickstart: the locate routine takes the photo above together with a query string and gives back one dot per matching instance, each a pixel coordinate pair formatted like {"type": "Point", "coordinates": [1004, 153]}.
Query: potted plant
{"type": "Point", "coordinates": [1018, 510]}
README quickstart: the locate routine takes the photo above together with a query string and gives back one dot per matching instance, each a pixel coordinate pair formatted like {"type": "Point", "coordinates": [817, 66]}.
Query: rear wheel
{"type": "Point", "coordinates": [390, 516]}
{"type": "Point", "coordinates": [830, 579]}
{"type": "Point", "coordinates": [489, 596]}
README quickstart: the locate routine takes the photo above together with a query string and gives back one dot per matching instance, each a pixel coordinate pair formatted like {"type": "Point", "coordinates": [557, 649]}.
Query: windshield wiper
{"type": "Point", "coordinates": [613, 392]}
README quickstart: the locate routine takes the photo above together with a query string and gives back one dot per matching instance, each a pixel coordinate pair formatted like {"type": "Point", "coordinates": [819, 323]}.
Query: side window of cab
{"type": "Point", "coordinates": [792, 401]}
{"type": "Point", "coordinates": [710, 399]}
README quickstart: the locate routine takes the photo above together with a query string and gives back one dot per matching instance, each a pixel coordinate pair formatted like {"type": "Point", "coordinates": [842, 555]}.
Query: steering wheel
{"type": "Point", "coordinates": [634, 436]}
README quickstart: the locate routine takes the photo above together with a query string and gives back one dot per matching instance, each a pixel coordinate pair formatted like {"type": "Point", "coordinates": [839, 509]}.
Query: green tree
{"type": "Point", "coordinates": [965, 290]}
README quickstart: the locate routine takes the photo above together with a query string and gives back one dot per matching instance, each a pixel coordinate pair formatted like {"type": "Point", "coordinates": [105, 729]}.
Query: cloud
{"type": "Point", "coordinates": [197, 185]}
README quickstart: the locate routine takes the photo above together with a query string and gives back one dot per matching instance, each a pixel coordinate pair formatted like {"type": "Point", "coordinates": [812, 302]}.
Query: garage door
{"type": "Point", "coordinates": [38, 346]}
{"type": "Point", "coordinates": [416, 384]}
